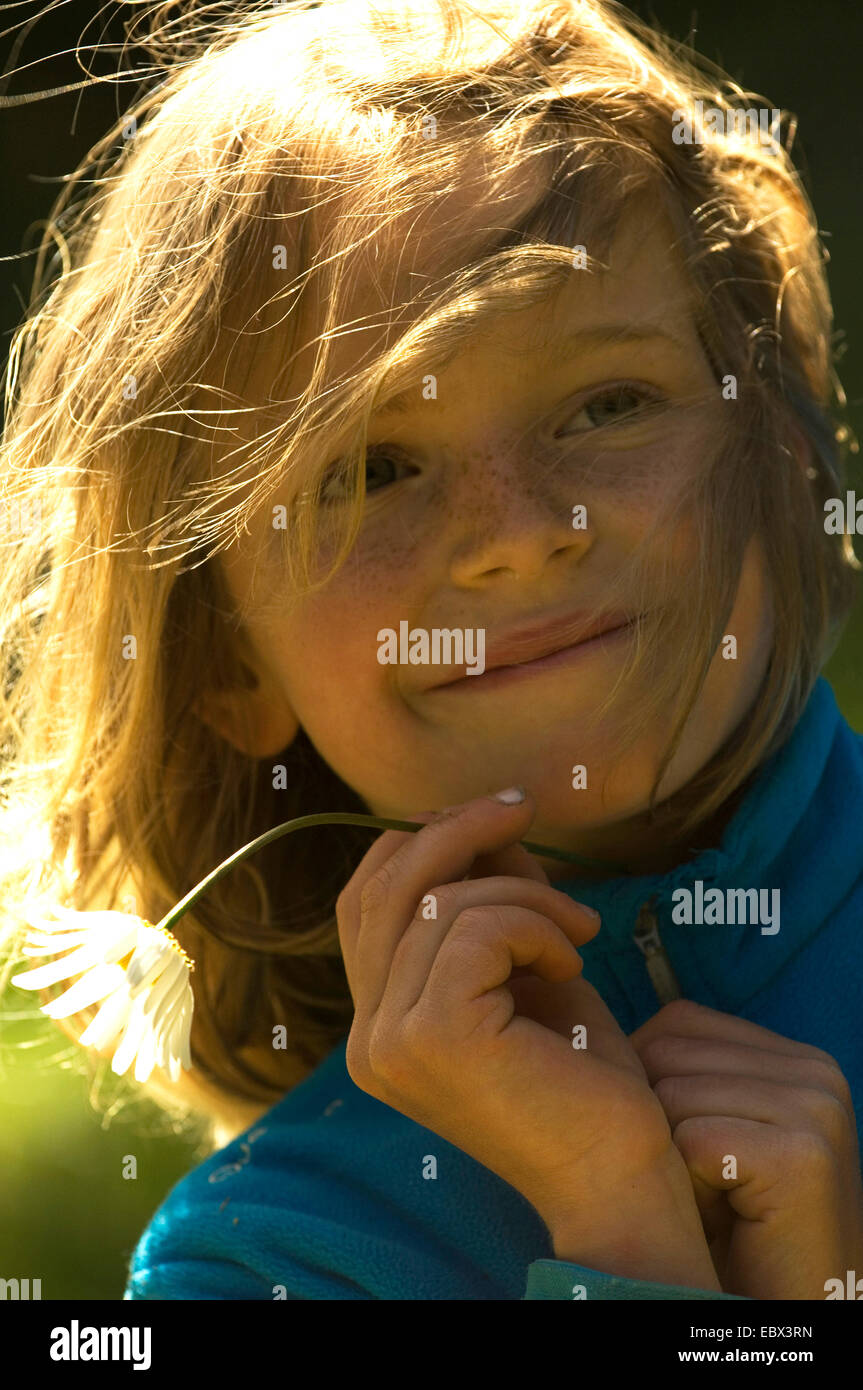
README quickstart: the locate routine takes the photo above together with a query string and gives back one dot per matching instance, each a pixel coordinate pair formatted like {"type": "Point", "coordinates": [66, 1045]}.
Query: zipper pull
{"type": "Point", "coordinates": [659, 968]}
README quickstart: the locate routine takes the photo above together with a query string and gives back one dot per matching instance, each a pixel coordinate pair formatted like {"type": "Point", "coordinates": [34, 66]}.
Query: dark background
{"type": "Point", "coordinates": [67, 1215]}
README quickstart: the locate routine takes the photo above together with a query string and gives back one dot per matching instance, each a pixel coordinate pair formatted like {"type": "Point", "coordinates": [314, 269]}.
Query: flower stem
{"type": "Point", "coordinates": [346, 818]}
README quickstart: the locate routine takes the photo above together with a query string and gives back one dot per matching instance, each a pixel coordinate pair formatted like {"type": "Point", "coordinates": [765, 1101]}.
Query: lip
{"type": "Point", "coordinates": [527, 651]}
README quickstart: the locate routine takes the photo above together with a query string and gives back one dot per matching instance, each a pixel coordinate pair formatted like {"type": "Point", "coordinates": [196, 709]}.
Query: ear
{"type": "Point", "coordinates": [257, 721]}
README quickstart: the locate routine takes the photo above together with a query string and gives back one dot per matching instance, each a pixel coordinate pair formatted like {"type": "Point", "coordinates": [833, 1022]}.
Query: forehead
{"type": "Point", "coordinates": [639, 283]}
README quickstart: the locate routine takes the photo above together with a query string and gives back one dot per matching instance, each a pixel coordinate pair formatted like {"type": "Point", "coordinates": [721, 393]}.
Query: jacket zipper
{"type": "Point", "coordinates": [659, 968]}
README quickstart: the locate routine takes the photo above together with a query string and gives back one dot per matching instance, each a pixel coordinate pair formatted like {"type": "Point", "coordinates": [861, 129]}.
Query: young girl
{"type": "Point", "coordinates": [433, 399]}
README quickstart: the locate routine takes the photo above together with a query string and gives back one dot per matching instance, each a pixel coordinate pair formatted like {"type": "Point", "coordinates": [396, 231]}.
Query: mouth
{"type": "Point", "coordinates": [551, 654]}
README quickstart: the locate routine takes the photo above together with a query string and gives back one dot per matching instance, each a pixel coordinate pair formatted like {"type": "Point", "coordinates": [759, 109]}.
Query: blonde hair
{"type": "Point", "coordinates": [259, 174]}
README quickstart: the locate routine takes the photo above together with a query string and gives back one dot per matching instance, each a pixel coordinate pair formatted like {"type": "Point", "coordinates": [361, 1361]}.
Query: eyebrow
{"type": "Point", "coordinates": [563, 349]}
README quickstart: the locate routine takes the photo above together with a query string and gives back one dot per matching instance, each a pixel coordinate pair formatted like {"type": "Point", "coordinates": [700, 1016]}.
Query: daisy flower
{"type": "Point", "coordinates": [138, 971]}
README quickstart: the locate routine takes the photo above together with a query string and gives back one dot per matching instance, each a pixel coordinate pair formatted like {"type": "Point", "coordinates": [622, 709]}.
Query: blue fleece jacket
{"type": "Point", "coordinates": [327, 1195]}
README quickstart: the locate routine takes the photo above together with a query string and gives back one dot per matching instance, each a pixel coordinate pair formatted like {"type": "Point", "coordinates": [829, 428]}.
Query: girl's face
{"type": "Point", "coordinates": [468, 524]}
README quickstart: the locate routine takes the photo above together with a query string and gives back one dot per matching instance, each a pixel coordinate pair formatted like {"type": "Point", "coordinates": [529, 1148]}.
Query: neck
{"type": "Point", "coordinates": [639, 843]}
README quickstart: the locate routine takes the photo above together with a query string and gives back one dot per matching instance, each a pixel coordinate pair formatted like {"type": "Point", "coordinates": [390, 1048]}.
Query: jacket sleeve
{"type": "Point", "coordinates": [195, 1280]}
{"type": "Point", "coordinates": [559, 1279]}
{"type": "Point", "coordinates": [188, 1253]}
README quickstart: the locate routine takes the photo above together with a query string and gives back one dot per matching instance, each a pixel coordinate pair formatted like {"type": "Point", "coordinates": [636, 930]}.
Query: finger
{"type": "Point", "coordinates": [348, 901]}
{"type": "Point", "coordinates": [686, 1019]}
{"type": "Point", "coordinates": [381, 849]}
{"type": "Point", "coordinates": [445, 849]}
{"type": "Point", "coordinates": [513, 861]}
{"type": "Point", "coordinates": [561, 1008]}
{"type": "Point", "coordinates": [742, 1098]}
{"type": "Point", "coordinates": [414, 953]}
{"type": "Point", "coordinates": [390, 843]}
{"type": "Point", "coordinates": [763, 1155]}
{"type": "Point", "coordinates": [672, 1056]}
{"type": "Point", "coordinates": [474, 963]}
{"type": "Point", "coordinates": [375, 908]}
{"type": "Point", "coordinates": [477, 958]}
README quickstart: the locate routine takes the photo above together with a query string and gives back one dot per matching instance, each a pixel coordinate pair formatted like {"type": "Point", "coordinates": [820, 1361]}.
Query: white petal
{"type": "Point", "coordinates": [148, 962]}
{"type": "Point", "coordinates": [167, 1023]}
{"type": "Point", "coordinates": [162, 1050]}
{"type": "Point", "coordinates": [75, 921]}
{"type": "Point", "coordinates": [102, 926]}
{"type": "Point", "coordinates": [162, 1024]}
{"type": "Point", "coordinates": [49, 943]}
{"type": "Point", "coordinates": [120, 941]}
{"type": "Point", "coordinates": [73, 964]}
{"type": "Point", "coordinates": [135, 1030]}
{"type": "Point", "coordinates": [109, 1021]}
{"type": "Point", "coordinates": [146, 1058]}
{"type": "Point", "coordinates": [175, 1044]}
{"type": "Point", "coordinates": [169, 987]}
{"type": "Point", "coordinates": [96, 984]}
{"type": "Point", "coordinates": [185, 1032]}
{"type": "Point", "coordinates": [168, 1014]}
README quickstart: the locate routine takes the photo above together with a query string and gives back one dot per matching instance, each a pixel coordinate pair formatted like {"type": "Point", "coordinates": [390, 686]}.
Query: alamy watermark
{"type": "Point", "coordinates": [20, 516]}
{"type": "Point", "coordinates": [441, 646]}
{"type": "Point", "coordinates": [852, 1287]}
{"type": "Point", "coordinates": [761, 121]}
{"type": "Point", "coordinates": [76, 1343]}
{"type": "Point", "coordinates": [844, 518]}
{"type": "Point", "coordinates": [20, 1289]}
{"type": "Point", "coordinates": [718, 907]}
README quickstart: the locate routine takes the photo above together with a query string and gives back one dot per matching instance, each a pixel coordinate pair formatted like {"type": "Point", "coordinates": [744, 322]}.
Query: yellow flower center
{"type": "Point", "coordinates": [172, 942]}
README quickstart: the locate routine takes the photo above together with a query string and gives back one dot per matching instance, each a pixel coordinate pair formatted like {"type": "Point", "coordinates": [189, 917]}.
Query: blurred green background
{"type": "Point", "coordinates": [67, 1215]}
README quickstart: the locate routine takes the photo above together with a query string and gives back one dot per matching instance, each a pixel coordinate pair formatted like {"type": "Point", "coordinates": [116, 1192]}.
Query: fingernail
{"type": "Point", "coordinates": [591, 911]}
{"type": "Point", "coordinates": [511, 797]}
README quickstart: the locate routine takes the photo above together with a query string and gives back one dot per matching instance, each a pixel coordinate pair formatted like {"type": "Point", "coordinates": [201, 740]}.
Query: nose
{"type": "Point", "coordinates": [516, 534]}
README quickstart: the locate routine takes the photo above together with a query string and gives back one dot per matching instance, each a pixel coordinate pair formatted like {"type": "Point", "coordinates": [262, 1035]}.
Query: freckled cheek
{"type": "Point", "coordinates": [327, 657]}
{"type": "Point", "coordinates": [657, 486]}
{"type": "Point", "coordinates": [333, 635]}
{"type": "Point", "coordinates": [640, 479]}
{"type": "Point", "coordinates": [385, 558]}
{"type": "Point", "coordinates": [637, 497]}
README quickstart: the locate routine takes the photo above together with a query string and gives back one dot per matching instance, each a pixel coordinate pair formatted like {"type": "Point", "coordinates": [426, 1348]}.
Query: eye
{"type": "Point", "coordinates": [382, 468]}
{"type": "Point", "coordinates": [610, 406]}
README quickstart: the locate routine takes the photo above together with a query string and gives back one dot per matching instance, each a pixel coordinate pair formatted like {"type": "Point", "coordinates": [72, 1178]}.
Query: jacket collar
{"type": "Point", "coordinates": [790, 832]}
